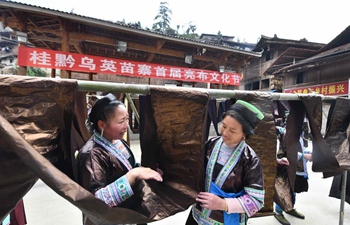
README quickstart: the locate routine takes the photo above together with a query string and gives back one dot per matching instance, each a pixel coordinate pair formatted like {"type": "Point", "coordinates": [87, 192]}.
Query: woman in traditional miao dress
{"type": "Point", "coordinates": [234, 188]}
{"type": "Point", "coordinates": [106, 165]}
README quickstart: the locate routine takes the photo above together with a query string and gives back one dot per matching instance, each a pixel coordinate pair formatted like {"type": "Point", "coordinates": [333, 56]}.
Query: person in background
{"type": "Point", "coordinates": [17, 216]}
{"type": "Point", "coordinates": [234, 188]}
{"type": "Point", "coordinates": [301, 179]}
{"type": "Point", "coordinates": [106, 165]}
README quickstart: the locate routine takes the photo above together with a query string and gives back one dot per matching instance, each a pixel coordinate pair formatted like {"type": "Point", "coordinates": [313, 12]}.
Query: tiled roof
{"type": "Point", "coordinates": [121, 24]}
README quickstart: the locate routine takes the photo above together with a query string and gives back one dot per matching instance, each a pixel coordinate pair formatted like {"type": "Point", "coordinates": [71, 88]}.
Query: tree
{"type": "Point", "coordinates": [189, 31]}
{"type": "Point", "coordinates": [193, 28]}
{"type": "Point", "coordinates": [163, 18]}
{"type": "Point", "coordinates": [36, 72]}
{"type": "Point", "coordinates": [135, 24]}
{"type": "Point", "coordinates": [170, 31]}
{"type": "Point", "coordinates": [219, 37]}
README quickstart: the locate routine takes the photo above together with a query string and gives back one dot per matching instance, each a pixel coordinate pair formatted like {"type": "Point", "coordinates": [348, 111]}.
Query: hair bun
{"type": "Point", "coordinates": [99, 105]}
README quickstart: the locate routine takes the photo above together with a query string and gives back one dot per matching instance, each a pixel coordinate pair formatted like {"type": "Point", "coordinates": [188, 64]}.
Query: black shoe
{"type": "Point", "coordinates": [281, 219]}
{"type": "Point", "coordinates": [295, 213]}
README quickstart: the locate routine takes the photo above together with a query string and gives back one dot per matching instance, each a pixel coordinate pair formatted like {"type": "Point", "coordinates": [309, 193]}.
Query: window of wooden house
{"type": "Point", "coordinates": [265, 84]}
{"type": "Point", "coordinates": [299, 78]}
{"type": "Point", "coordinates": [248, 87]}
{"type": "Point", "coordinates": [268, 56]}
{"type": "Point", "coordinates": [255, 85]}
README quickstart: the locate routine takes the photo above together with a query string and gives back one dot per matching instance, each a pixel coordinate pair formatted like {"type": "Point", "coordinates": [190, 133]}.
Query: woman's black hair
{"type": "Point", "coordinates": [246, 114]}
{"type": "Point", "coordinates": [103, 109]}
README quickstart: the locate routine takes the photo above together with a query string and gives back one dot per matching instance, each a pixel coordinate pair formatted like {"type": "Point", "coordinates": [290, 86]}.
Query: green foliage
{"type": "Point", "coordinates": [135, 24]}
{"type": "Point", "coordinates": [170, 31]}
{"type": "Point", "coordinates": [188, 31]}
{"type": "Point", "coordinates": [36, 72]}
{"type": "Point", "coordinates": [163, 18]}
{"type": "Point", "coordinates": [190, 36]}
{"type": "Point", "coordinates": [162, 24]}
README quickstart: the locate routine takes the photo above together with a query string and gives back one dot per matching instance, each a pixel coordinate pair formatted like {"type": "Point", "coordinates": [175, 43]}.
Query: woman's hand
{"type": "Point", "coordinates": [143, 173]}
{"type": "Point", "coordinates": [211, 201]}
{"type": "Point", "coordinates": [159, 170]}
{"type": "Point", "coordinates": [308, 157]}
{"type": "Point", "coordinates": [283, 161]}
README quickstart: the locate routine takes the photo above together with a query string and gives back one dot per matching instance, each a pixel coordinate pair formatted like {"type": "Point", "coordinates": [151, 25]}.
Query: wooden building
{"type": "Point", "coordinates": [276, 53]}
{"type": "Point", "coordinates": [8, 50]}
{"type": "Point", "coordinates": [327, 72]}
{"type": "Point", "coordinates": [227, 41]}
{"type": "Point", "coordinates": [68, 32]}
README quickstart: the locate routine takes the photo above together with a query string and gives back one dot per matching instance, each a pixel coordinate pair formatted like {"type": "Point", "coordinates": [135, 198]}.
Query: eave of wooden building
{"type": "Point", "coordinates": [265, 41]}
{"type": "Point", "coordinates": [289, 57]}
{"type": "Point", "coordinates": [57, 30]}
{"type": "Point", "coordinates": [322, 58]}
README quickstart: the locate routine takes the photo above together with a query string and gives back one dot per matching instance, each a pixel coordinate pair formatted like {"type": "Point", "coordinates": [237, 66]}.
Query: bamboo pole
{"type": "Point", "coordinates": [133, 107]}
{"type": "Point", "coordinates": [214, 93]}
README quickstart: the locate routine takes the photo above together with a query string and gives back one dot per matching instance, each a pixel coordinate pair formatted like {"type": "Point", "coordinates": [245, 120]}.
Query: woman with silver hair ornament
{"type": "Point", "coordinates": [106, 165]}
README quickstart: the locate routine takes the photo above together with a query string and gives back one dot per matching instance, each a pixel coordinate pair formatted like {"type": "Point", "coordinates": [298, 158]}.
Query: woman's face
{"type": "Point", "coordinates": [116, 126]}
{"type": "Point", "coordinates": [231, 131]}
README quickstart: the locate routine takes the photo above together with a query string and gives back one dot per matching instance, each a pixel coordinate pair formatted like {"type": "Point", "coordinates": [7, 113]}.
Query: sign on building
{"type": "Point", "coordinates": [333, 89]}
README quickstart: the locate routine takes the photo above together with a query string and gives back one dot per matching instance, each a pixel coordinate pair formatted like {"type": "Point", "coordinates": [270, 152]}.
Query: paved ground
{"type": "Point", "coordinates": [45, 207]}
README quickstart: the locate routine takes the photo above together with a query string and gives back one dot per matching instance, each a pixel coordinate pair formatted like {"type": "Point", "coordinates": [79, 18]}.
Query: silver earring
{"type": "Point", "coordinates": [102, 132]}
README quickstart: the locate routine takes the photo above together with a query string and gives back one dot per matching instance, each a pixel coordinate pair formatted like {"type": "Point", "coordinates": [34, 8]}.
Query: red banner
{"type": "Point", "coordinates": [42, 58]}
{"type": "Point", "coordinates": [334, 89]}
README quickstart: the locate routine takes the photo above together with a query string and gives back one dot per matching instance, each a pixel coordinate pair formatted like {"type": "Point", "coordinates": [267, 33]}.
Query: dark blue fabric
{"type": "Point", "coordinates": [223, 107]}
{"type": "Point", "coordinates": [142, 112]}
{"type": "Point", "coordinates": [232, 218]}
{"type": "Point", "coordinates": [211, 117]}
